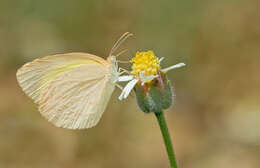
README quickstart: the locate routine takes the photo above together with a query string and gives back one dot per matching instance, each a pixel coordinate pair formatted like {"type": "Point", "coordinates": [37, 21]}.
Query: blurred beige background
{"type": "Point", "coordinates": [215, 120]}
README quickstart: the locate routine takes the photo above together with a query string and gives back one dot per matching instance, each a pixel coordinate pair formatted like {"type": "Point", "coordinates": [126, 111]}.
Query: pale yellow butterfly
{"type": "Point", "coordinates": [72, 89]}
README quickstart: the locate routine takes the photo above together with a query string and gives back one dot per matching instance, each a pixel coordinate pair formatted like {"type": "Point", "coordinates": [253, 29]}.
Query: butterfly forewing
{"type": "Point", "coordinates": [34, 76]}
{"type": "Point", "coordinates": [72, 89]}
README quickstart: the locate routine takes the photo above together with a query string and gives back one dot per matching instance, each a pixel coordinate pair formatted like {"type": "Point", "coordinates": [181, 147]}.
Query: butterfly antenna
{"type": "Point", "coordinates": [124, 62]}
{"type": "Point", "coordinates": [119, 42]}
{"type": "Point", "coordinates": [121, 52]}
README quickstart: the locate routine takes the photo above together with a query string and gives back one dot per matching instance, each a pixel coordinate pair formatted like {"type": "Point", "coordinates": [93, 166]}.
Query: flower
{"type": "Point", "coordinates": [146, 68]}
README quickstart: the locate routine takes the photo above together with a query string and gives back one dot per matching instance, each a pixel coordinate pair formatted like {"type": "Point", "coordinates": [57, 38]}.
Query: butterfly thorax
{"type": "Point", "coordinates": [113, 68]}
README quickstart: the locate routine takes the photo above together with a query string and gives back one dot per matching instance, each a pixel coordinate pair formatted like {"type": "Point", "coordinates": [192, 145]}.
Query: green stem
{"type": "Point", "coordinates": [166, 138]}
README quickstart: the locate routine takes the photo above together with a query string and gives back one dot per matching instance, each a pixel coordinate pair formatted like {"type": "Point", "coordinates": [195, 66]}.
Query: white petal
{"type": "Point", "coordinates": [119, 86]}
{"type": "Point", "coordinates": [125, 78]}
{"type": "Point", "coordinates": [173, 67]}
{"type": "Point", "coordinates": [130, 85]}
{"type": "Point", "coordinates": [147, 78]}
{"type": "Point", "coordinates": [121, 96]}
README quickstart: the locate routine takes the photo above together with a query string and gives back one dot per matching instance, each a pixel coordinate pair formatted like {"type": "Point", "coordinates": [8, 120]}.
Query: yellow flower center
{"type": "Point", "coordinates": [145, 62]}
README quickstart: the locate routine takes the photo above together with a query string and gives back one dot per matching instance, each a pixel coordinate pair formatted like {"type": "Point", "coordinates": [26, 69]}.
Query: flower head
{"type": "Point", "coordinates": [145, 63]}
{"type": "Point", "coordinates": [148, 79]}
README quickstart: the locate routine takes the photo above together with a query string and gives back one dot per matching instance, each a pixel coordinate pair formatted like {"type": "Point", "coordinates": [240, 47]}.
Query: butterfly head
{"type": "Point", "coordinates": [112, 58]}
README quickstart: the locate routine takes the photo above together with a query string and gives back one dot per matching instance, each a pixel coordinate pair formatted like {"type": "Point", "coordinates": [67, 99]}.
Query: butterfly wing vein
{"type": "Point", "coordinates": [71, 92]}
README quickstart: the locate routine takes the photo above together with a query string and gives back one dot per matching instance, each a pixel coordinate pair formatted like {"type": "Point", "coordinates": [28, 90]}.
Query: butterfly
{"type": "Point", "coordinates": [72, 90]}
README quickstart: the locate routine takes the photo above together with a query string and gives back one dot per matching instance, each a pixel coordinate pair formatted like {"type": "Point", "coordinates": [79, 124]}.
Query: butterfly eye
{"type": "Point", "coordinates": [113, 58]}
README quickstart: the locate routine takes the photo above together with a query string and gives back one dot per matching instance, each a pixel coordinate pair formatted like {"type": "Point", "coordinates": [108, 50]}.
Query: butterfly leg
{"type": "Point", "coordinates": [119, 86]}
{"type": "Point", "coordinates": [122, 70]}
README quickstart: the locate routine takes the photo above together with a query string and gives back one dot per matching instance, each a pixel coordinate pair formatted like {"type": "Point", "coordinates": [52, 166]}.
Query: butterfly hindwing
{"type": "Point", "coordinates": [72, 89]}
{"type": "Point", "coordinates": [77, 99]}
